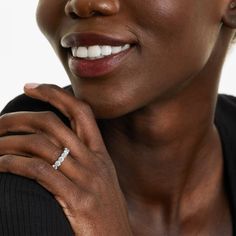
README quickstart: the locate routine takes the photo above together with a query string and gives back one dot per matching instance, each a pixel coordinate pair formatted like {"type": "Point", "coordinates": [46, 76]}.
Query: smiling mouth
{"type": "Point", "coordinates": [96, 54]}
{"type": "Point", "coordinates": [97, 51]}
{"type": "Point", "coordinates": [97, 66]}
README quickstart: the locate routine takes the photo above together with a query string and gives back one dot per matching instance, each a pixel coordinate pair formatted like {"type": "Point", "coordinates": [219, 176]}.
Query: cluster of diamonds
{"type": "Point", "coordinates": [61, 158]}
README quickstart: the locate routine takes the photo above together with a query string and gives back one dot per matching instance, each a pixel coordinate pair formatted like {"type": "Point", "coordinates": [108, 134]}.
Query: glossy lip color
{"type": "Point", "coordinates": [96, 68]}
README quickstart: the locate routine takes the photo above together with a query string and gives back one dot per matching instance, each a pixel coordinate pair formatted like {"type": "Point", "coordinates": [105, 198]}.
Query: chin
{"type": "Point", "coordinates": [106, 104]}
{"type": "Point", "coordinates": [105, 107]}
{"type": "Point", "coordinates": [109, 111]}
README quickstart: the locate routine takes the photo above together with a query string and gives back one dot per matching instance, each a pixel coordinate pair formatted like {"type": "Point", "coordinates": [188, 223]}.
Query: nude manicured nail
{"type": "Point", "coordinates": [232, 5]}
{"type": "Point", "coordinates": [31, 85]}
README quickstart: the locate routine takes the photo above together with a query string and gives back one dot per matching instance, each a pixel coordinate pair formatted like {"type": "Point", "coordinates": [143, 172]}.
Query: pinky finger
{"type": "Point", "coordinates": [40, 171]}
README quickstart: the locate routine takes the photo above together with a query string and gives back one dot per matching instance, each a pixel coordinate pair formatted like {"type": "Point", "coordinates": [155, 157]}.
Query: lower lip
{"type": "Point", "coordinates": [99, 67]}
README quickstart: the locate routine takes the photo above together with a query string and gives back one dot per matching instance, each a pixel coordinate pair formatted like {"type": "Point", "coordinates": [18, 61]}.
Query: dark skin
{"type": "Point", "coordinates": [146, 157]}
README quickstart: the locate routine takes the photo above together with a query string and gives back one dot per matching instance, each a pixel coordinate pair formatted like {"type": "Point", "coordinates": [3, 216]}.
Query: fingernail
{"type": "Point", "coordinates": [31, 85]}
{"type": "Point", "coordinates": [232, 5]}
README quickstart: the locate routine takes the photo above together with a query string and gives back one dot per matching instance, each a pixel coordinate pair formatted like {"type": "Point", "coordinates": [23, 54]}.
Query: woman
{"type": "Point", "coordinates": [141, 144]}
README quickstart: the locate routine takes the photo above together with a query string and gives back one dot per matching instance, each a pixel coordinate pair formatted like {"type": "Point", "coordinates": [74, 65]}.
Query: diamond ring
{"type": "Point", "coordinates": [61, 158]}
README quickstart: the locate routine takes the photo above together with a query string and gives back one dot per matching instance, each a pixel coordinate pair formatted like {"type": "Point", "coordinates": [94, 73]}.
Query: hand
{"type": "Point", "coordinates": [86, 184]}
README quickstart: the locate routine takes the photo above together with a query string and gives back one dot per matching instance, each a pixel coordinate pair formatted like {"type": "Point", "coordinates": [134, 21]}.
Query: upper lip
{"type": "Point", "coordinates": [89, 38]}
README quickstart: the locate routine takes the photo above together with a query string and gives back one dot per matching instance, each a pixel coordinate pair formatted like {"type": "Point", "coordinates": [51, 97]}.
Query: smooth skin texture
{"type": "Point", "coordinates": [146, 157]}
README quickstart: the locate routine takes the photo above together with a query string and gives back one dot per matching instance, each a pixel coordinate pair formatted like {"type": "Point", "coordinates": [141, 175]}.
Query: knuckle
{"type": "Point", "coordinates": [6, 161]}
{"type": "Point", "coordinates": [73, 197]}
{"type": "Point", "coordinates": [72, 200]}
{"type": "Point", "coordinates": [97, 184]}
{"type": "Point", "coordinates": [38, 168]}
{"type": "Point", "coordinates": [83, 109]}
{"type": "Point", "coordinates": [54, 89]}
{"type": "Point", "coordinates": [105, 167]}
{"type": "Point", "coordinates": [89, 203]}
{"type": "Point", "coordinates": [81, 200]}
{"type": "Point", "coordinates": [47, 86]}
{"type": "Point", "coordinates": [49, 116]}
{"type": "Point", "coordinates": [48, 91]}
{"type": "Point", "coordinates": [52, 86]}
{"type": "Point", "coordinates": [66, 205]}
{"type": "Point", "coordinates": [105, 173]}
{"type": "Point", "coordinates": [35, 141]}
{"type": "Point", "coordinates": [4, 117]}
{"type": "Point", "coordinates": [96, 181]}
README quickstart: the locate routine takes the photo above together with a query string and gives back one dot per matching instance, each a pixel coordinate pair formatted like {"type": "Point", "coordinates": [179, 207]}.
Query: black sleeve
{"type": "Point", "coordinates": [26, 208]}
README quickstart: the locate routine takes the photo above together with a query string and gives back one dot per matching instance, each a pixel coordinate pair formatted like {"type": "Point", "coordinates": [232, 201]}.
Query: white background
{"type": "Point", "coordinates": [26, 56]}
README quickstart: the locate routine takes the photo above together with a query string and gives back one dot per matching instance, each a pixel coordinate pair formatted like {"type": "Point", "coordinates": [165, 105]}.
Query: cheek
{"type": "Point", "coordinates": [49, 15]}
{"type": "Point", "coordinates": [180, 38]}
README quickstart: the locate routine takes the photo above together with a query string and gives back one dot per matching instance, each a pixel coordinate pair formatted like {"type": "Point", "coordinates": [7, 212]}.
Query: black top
{"type": "Point", "coordinates": [27, 209]}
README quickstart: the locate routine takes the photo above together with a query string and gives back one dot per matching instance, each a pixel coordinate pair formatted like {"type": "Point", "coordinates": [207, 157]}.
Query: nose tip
{"type": "Point", "coordinates": [89, 8]}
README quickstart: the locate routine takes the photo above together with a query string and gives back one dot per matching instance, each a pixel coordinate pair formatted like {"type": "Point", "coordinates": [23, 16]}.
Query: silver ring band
{"type": "Point", "coordinates": [61, 158]}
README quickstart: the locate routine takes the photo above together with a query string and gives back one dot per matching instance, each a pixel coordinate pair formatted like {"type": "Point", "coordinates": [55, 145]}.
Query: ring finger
{"type": "Point", "coordinates": [39, 146]}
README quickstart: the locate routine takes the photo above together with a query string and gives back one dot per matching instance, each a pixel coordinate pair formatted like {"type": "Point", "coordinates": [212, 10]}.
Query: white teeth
{"type": "Point", "coordinates": [106, 50]}
{"type": "Point", "coordinates": [97, 51]}
{"type": "Point", "coordinates": [74, 52]}
{"type": "Point", "coordinates": [94, 51]}
{"type": "Point", "coordinates": [127, 46]}
{"type": "Point", "coordinates": [82, 52]}
{"type": "Point", "coordinates": [116, 49]}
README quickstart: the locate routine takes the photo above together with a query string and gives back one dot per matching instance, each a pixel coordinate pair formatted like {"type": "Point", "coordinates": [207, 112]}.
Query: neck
{"type": "Point", "coordinates": [159, 151]}
{"type": "Point", "coordinates": [163, 156]}
{"type": "Point", "coordinates": [154, 145]}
